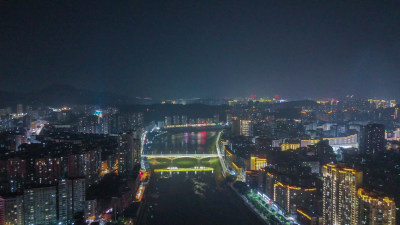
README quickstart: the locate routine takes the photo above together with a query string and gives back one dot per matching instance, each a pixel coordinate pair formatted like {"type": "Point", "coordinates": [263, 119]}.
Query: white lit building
{"type": "Point", "coordinates": [246, 128]}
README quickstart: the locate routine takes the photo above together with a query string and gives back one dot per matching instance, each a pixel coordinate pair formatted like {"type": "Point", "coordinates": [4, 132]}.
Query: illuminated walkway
{"type": "Point", "coordinates": [175, 156]}
{"type": "Point", "coordinates": [176, 169]}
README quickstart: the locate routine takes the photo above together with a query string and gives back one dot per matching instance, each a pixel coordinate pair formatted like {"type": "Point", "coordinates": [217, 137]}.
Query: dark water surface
{"type": "Point", "coordinates": [191, 197]}
{"type": "Point", "coordinates": [201, 142]}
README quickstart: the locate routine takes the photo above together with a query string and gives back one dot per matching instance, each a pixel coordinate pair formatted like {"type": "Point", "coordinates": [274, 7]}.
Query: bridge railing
{"type": "Point", "coordinates": [192, 125]}
{"type": "Point", "coordinates": [181, 156]}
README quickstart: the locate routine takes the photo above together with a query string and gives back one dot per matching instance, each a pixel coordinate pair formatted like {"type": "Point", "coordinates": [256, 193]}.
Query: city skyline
{"type": "Point", "coordinates": [199, 112]}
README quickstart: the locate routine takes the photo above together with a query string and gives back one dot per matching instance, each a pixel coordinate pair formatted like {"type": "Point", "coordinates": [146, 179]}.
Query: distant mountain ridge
{"type": "Point", "coordinates": [60, 94]}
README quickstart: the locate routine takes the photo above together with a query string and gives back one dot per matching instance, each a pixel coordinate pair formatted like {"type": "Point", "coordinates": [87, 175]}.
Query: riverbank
{"type": "Point", "coordinates": [246, 202]}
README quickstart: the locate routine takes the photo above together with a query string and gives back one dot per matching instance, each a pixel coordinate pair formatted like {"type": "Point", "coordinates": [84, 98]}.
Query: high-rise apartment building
{"type": "Point", "coordinates": [48, 170]}
{"type": "Point", "coordinates": [246, 128]}
{"type": "Point", "coordinates": [129, 152]}
{"type": "Point", "coordinates": [87, 164]}
{"type": "Point", "coordinates": [292, 198]}
{"type": "Point", "coordinates": [88, 124]}
{"type": "Point", "coordinates": [235, 128]}
{"type": "Point", "coordinates": [71, 198]}
{"type": "Point", "coordinates": [90, 209]}
{"type": "Point", "coordinates": [376, 209]}
{"type": "Point", "coordinates": [64, 196]}
{"type": "Point", "coordinates": [340, 201]}
{"type": "Point", "coordinates": [2, 210]}
{"type": "Point", "coordinates": [40, 205]}
{"type": "Point", "coordinates": [372, 138]}
{"type": "Point", "coordinates": [16, 171]}
{"type": "Point", "coordinates": [14, 210]}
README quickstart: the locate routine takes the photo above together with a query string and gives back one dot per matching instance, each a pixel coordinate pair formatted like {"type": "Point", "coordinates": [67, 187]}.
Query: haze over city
{"type": "Point", "coordinates": [171, 49]}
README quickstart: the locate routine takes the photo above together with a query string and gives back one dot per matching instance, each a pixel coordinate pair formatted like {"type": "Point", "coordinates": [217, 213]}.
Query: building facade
{"type": "Point", "coordinates": [246, 128]}
{"type": "Point", "coordinates": [40, 205]}
{"type": "Point", "coordinates": [373, 139]}
{"type": "Point", "coordinates": [340, 201]}
{"type": "Point", "coordinates": [376, 209]}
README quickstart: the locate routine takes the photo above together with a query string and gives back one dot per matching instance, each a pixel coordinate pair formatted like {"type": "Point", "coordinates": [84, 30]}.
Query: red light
{"type": "Point", "coordinates": [276, 96]}
{"type": "Point", "coordinates": [253, 96]}
{"type": "Point", "coordinates": [140, 174]}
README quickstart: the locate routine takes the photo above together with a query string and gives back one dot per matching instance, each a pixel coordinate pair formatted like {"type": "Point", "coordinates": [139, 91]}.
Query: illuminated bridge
{"type": "Point", "coordinates": [198, 125]}
{"type": "Point", "coordinates": [176, 169]}
{"type": "Point", "coordinates": [175, 156]}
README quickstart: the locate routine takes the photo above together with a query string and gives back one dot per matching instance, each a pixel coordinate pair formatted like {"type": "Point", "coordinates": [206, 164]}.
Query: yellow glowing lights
{"type": "Point", "coordinates": [310, 189]}
{"type": "Point", "coordinates": [368, 197]}
{"type": "Point", "coordinates": [290, 146]}
{"type": "Point", "coordinates": [304, 214]}
{"type": "Point", "coordinates": [139, 193]}
{"type": "Point", "coordinates": [270, 174]}
{"type": "Point", "coordinates": [175, 169]}
{"type": "Point", "coordinates": [293, 187]}
{"type": "Point", "coordinates": [257, 163]}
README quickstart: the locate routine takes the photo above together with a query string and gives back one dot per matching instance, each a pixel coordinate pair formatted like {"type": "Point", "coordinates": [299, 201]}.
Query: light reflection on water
{"type": "Point", "coordinates": [181, 143]}
{"type": "Point", "coordinates": [192, 197]}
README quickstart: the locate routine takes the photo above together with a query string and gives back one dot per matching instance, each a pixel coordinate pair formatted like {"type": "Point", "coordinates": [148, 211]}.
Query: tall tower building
{"type": "Point", "coordinates": [129, 152]}
{"type": "Point", "coordinates": [235, 128]}
{"type": "Point", "coordinates": [373, 138]}
{"type": "Point", "coordinates": [340, 201]}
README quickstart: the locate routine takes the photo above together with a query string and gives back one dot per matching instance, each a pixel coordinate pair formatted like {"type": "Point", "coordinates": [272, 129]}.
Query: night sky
{"type": "Point", "coordinates": [185, 48]}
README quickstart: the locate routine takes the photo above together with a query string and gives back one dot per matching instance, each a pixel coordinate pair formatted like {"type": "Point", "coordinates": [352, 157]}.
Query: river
{"type": "Point", "coordinates": [197, 194]}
